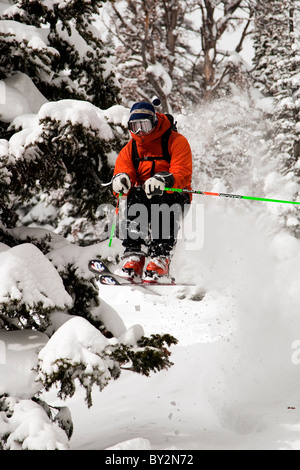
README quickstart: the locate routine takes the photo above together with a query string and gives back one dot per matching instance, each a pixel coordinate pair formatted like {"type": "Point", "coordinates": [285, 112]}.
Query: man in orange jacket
{"type": "Point", "coordinates": [156, 157]}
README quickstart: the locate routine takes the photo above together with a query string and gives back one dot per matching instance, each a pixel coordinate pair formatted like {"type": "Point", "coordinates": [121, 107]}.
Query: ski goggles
{"type": "Point", "coordinates": [140, 125]}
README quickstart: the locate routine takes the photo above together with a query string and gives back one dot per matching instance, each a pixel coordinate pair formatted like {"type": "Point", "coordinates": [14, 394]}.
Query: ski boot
{"type": "Point", "coordinates": [158, 267]}
{"type": "Point", "coordinates": [133, 266]}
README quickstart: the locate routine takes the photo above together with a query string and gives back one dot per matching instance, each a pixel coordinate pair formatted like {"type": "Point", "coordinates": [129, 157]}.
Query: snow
{"type": "Point", "coordinates": [117, 115]}
{"type": "Point", "coordinates": [76, 339]}
{"type": "Point", "coordinates": [18, 96]}
{"type": "Point", "coordinates": [86, 114]}
{"type": "Point", "coordinates": [234, 383]}
{"type": "Point", "coordinates": [30, 428]}
{"type": "Point", "coordinates": [22, 116]}
{"type": "Point", "coordinates": [34, 38]}
{"type": "Point", "coordinates": [160, 73]}
{"type": "Point", "coordinates": [53, 3]}
{"type": "Point", "coordinates": [26, 274]}
{"type": "Point", "coordinates": [18, 356]}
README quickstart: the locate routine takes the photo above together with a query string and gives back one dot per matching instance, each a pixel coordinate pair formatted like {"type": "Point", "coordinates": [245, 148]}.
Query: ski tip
{"type": "Point", "coordinates": [97, 266]}
{"type": "Point", "coordinates": [108, 280]}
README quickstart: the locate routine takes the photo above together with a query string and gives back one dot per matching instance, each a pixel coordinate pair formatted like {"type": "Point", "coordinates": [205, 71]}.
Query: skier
{"type": "Point", "coordinates": [156, 157]}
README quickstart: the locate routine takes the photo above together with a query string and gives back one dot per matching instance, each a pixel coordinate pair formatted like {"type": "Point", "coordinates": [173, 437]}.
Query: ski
{"type": "Point", "coordinates": [97, 266]}
{"type": "Point", "coordinates": [113, 279]}
{"type": "Point", "coordinates": [106, 277]}
{"type": "Point", "coordinates": [166, 283]}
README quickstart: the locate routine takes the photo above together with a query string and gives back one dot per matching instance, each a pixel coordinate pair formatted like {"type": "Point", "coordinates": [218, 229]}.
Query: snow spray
{"type": "Point", "coordinates": [2, 93]}
{"type": "Point", "coordinates": [2, 353]}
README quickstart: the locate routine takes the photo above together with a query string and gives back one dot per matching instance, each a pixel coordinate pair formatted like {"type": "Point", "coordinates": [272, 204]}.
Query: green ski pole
{"type": "Point", "coordinates": [115, 219]}
{"type": "Point", "coordinates": [234, 196]}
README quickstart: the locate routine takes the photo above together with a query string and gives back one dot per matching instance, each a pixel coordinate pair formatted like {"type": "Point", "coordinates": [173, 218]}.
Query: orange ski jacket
{"type": "Point", "coordinates": [149, 146]}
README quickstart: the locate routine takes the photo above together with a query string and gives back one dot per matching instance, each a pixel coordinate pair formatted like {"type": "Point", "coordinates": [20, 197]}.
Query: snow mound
{"type": "Point", "coordinates": [18, 96]}
{"type": "Point", "coordinates": [29, 427]}
{"type": "Point", "coordinates": [76, 341]}
{"type": "Point", "coordinates": [18, 357]}
{"type": "Point", "coordinates": [132, 444]}
{"type": "Point", "coordinates": [84, 113]}
{"type": "Point", "coordinates": [27, 275]}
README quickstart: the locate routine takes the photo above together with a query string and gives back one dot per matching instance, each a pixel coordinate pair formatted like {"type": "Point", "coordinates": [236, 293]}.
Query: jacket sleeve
{"type": "Point", "coordinates": [181, 162]}
{"type": "Point", "coordinates": [124, 163]}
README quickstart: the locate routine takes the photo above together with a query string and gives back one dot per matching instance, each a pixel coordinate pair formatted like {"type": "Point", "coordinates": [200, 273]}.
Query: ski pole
{"type": "Point", "coordinates": [115, 219]}
{"type": "Point", "coordinates": [234, 196]}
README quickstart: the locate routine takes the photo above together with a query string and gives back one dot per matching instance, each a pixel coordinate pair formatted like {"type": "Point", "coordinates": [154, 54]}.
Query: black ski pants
{"type": "Point", "coordinates": [153, 223]}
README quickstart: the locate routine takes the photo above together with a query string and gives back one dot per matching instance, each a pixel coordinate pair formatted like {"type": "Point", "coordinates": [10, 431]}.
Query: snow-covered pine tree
{"type": "Point", "coordinates": [77, 61]}
{"type": "Point", "coordinates": [277, 59]}
{"type": "Point", "coordinates": [57, 45]}
{"type": "Point", "coordinates": [71, 146]}
{"type": "Point", "coordinates": [7, 215]}
{"type": "Point", "coordinates": [91, 359]}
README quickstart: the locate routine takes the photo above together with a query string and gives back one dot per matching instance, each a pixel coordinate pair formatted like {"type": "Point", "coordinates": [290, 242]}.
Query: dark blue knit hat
{"type": "Point", "coordinates": [142, 110]}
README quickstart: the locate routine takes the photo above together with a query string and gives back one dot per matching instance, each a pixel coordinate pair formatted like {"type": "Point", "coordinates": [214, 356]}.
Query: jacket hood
{"type": "Point", "coordinates": [163, 124]}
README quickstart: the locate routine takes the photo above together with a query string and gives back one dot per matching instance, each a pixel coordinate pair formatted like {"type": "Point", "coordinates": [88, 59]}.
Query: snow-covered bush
{"type": "Point", "coordinates": [56, 48]}
{"type": "Point", "coordinates": [34, 55]}
{"type": "Point", "coordinates": [66, 335]}
{"type": "Point", "coordinates": [41, 273]}
{"type": "Point", "coordinates": [25, 421]}
{"type": "Point", "coordinates": [59, 46]}
{"type": "Point", "coordinates": [25, 425]}
{"type": "Point", "coordinates": [79, 352]}
{"type": "Point", "coordinates": [6, 215]}
{"type": "Point", "coordinates": [68, 153]}
{"type": "Point", "coordinates": [30, 289]}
